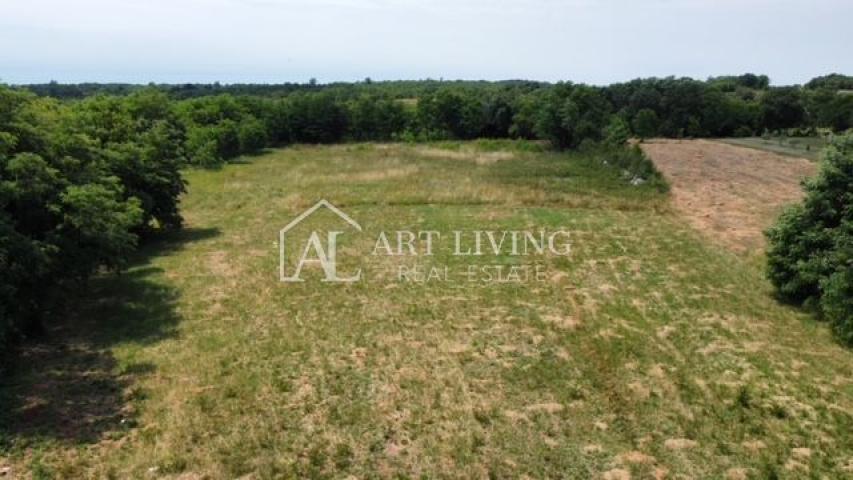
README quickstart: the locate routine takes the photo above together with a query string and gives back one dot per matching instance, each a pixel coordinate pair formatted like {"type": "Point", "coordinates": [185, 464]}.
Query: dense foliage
{"type": "Point", "coordinates": [565, 113]}
{"type": "Point", "coordinates": [810, 256]}
{"type": "Point", "coordinates": [80, 184]}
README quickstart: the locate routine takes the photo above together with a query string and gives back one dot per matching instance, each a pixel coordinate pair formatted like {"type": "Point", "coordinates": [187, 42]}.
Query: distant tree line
{"type": "Point", "coordinates": [670, 107]}
{"type": "Point", "coordinates": [88, 171]}
{"type": "Point", "coordinates": [222, 126]}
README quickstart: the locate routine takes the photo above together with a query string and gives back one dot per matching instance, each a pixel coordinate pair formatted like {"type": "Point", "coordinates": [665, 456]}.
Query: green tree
{"type": "Point", "coordinates": [782, 108]}
{"type": "Point", "coordinates": [810, 253]}
{"type": "Point", "coordinates": [570, 114]}
{"type": "Point", "coordinates": [524, 117]}
{"type": "Point", "coordinates": [251, 135]}
{"type": "Point", "coordinates": [376, 118]}
{"type": "Point", "coordinates": [831, 109]}
{"type": "Point", "coordinates": [617, 132]}
{"type": "Point", "coordinates": [316, 118]}
{"type": "Point", "coordinates": [452, 113]}
{"type": "Point", "coordinates": [646, 123]}
{"type": "Point", "coordinates": [79, 183]}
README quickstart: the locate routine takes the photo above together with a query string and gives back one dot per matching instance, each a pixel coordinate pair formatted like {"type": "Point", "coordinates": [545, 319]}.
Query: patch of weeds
{"type": "Point", "coordinates": [769, 472]}
{"type": "Point", "coordinates": [546, 371]}
{"type": "Point", "coordinates": [744, 397]}
{"type": "Point", "coordinates": [361, 147]}
{"type": "Point", "coordinates": [376, 446]}
{"type": "Point", "coordinates": [282, 384]}
{"type": "Point", "coordinates": [230, 392]}
{"type": "Point", "coordinates": [348, 413]}
{"type": "Point", "coordinates": [497, 145]}
{"type": "Point", "coordinates": [778, 411]}
{"type": "Point", "coordinates": [173, 464]}
{"type": "Point", "coordinates": [40, 470]}
{"type": "Point", "coordinates": [478, 441]}
{"type": "Point", "coordinates": [317, 456]}
{"type": "Point", "coordinates": [136, 393]}
{"type": "Point", "coordinates": [343, 456]}
{"type": "Point", "coordinates": [483, 417]}
{"type": "Point", "coordinates": [205, 403]}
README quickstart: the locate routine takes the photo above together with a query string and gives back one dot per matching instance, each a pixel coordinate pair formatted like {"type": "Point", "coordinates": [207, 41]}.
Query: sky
{"type": "Point", "coordinates": [274, 41]}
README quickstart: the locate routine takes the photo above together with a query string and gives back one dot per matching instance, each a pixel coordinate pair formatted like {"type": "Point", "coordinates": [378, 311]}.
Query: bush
{"type": "Point", "coordinates": [252, 135]}
{"type": "Point", "coordinates": [631, 161]}
{"type": "Point", "coordinates": [639, 166]}
{"type": "Point", "coordinates": [617, 132]}
{"type": "Point", "coordinates": [810, 252]}
{"type": "Point", "coordinates": [202, 147]}
{"type": "Point", "coordinates": [837, 302]}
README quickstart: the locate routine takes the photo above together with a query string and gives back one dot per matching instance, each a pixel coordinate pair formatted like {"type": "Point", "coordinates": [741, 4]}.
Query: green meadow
{"type": "Point", "coordinates": [647, 352]}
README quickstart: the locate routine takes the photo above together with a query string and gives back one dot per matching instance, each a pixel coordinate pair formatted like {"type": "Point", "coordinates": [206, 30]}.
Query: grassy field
{"type": "Point", "coordinates": [646, 353]}
{"type": "Point", "coordinates": [806, 147]}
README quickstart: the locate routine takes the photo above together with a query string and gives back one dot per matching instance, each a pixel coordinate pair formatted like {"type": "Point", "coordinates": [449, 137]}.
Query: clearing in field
{"type": "Point", "coordinates": [729, 193]}
{"type": "Point", "coordinates": [648, 352]}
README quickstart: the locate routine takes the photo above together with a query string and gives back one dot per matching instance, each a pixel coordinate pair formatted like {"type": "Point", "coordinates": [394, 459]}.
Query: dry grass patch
{"type": "Point", "coordinates": [729, 193]}
{"type": "Point", "coordinates": [468, 155]}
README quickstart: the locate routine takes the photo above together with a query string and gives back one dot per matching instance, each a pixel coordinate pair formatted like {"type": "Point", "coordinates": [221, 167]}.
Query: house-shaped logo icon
{"type": "Point", "coordinates": [314, 251]}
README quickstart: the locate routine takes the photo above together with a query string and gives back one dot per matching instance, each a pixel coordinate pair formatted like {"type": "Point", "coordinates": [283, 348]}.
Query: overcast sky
{"type": "Point", "coordinates": [592, 41]}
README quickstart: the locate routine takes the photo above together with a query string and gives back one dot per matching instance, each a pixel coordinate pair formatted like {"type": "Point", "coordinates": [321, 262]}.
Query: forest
{"type": "Point", "coordinates": [88, 172]}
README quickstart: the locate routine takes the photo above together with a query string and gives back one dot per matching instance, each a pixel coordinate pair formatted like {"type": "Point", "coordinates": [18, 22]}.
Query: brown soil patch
{"type": "Point", "coordinates": [636, 457]}
{"type": "Point", "coordinates": [545, 407]}
{"type": "Point", "coordinates": [616, 474]}
{"type": "Point", "coordinates": [737, 474]}
{"type": "Point", "coordinates": [729, 193]}
{"type": "Point", "coordinates": [680, 443]}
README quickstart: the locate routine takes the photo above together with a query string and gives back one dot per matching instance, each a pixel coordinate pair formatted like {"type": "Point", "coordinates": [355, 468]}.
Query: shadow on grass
{"type": "Point", "coordinates": [68, 386]}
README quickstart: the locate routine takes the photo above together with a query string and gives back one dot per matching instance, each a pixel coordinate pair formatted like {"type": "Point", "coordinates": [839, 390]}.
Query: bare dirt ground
{"type": "Point", "coordinates": [729, 193]}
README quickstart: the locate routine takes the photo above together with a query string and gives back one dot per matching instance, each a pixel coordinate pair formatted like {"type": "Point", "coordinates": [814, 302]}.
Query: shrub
{"type": "Point", "coordinates": [635, 166]}
{"type": "Point", "coordinates": [810, 252]}
{"type": "Point", "coordinates": [617, 131]}
{"type": "Point", "coordinates": [837, 302]}
{"type": "Point", "coordinates": [203, 147]}
{"type": "Point", "coordinates": [639, 166]}
{"type": "Point", "coordinates": [228, 138]}
{"type": "Point", "coordinates": [252, 135]}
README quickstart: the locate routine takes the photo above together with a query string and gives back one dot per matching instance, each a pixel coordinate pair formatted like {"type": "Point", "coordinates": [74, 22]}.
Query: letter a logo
{"type": "Point", "coordinates": [314, 252]}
